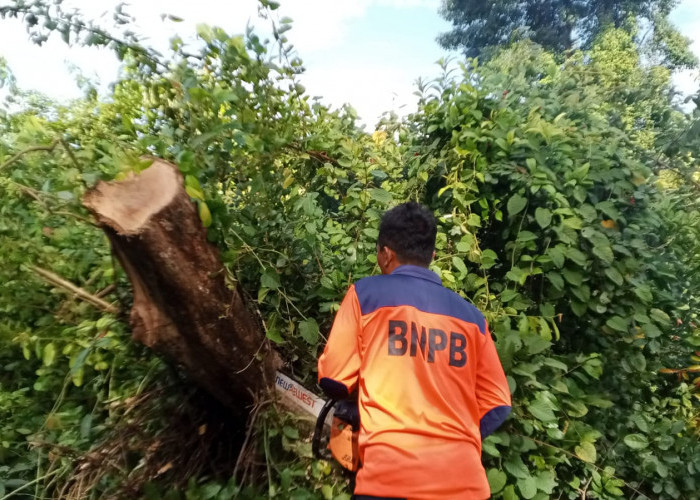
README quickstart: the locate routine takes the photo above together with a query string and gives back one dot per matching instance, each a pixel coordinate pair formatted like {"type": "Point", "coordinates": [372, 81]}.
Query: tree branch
{"type": "Point", "coordinates": [56, 280]}
{"type": "Point", "coordinates": [32, 149]}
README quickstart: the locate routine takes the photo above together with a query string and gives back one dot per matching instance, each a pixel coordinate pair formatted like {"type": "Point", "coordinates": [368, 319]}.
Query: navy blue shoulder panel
{"type": "Point", "coordinates": [394, 290]}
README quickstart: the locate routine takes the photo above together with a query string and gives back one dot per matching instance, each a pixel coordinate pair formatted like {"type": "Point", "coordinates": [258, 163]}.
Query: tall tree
{"type": "Point", "coordinates": [560, 25]}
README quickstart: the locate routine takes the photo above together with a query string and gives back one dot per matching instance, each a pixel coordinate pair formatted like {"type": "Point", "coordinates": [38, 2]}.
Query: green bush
{"type": "Point", "coordinates": [568, 212]}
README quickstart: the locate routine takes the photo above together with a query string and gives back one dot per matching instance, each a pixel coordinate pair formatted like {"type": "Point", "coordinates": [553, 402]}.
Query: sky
{"type": "Point", "coordinates": [368, 53]}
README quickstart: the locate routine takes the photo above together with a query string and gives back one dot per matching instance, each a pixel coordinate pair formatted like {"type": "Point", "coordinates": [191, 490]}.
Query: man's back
{"type": "Point", "coordinates": [427, 376]}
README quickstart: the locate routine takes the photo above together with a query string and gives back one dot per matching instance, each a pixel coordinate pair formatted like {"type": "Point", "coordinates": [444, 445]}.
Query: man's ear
{"type": "Point", "coordinates": [390, 255]}
{"type": "Point", "coordinates": [386, 258]}
{"type": "Point", "coordinates": [433, 257]}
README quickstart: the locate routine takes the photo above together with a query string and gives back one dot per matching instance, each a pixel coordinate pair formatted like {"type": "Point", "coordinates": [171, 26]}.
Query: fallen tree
{"type": "Point", "coordinates": [183, 307]}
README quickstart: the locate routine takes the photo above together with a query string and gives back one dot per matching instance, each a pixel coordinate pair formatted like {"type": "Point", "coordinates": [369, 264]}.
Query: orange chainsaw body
{"type": "Point", "coordinates": [343, 444]}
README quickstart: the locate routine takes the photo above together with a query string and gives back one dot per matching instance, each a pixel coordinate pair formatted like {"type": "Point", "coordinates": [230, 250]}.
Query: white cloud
{"type": "Point", "coordinates": [371, 90]}
{"type": "Point", "coordinates": [346, 63]}
{"type": "Point", "coordinates": [323, 24]}
{"type": "Point", "coordinates": [46, 68]}
{"type": "Point", "coordinates": [372, 83]}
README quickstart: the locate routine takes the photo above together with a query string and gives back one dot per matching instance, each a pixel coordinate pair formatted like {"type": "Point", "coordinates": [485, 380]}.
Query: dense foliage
{"type": "Point", "coordinates": [567, 198]}
{"type": "Point", "coordinates": [479, 28]}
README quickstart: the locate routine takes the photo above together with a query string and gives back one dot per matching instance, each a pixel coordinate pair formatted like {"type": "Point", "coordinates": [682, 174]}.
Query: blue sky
{"type": "Point", "coordinates": [365, 52]}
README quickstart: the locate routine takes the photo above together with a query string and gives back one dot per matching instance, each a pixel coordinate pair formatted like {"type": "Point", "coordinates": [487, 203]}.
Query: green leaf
{"type": "Point", "coordinates": [49, 354]}
{"type": "Point", "coordinates": [488, 447]}
{"type": "Point", "coordinates": [525, 236]}
{"type": "Point", "coordinates": [573, 223]}
{"type": "Point", "coordinates": [371, 232]}
{"type": "Point", "coordinates": [583, 293]}
{"type": "Point", "coordinates": [637, 361]}
{"type": "Point", "coordinates": [644, 294]}
{"type": "Point", "coordinates": [274, 335]}
{"type": "Point", "coordinates": [327, 492]}
{"type": "Point", "coordinates": [536, 344]}
{"type": "Point", "coordinates": [604, 253]}
{"type": "Point", "coordinates": [509, 493]}
{"type": "Point", "coordinates": [598, 401]}
{"type": "Point", "coordinates": [542, 410]}
{"type": "Point", "coordinates": [459, 264]}
{"type": "Point", "coordinates": [651, 331]}
{"type": "Point", "coordinates": [614, 276]}
{"type": "Point", "coordinates": [660, 317]}
{"type": "Point", "coordinates": [546, 481]}
{"type": "Point", "coordinates": [516, 204]}
{"type": "Point", "coordinates": [290, 432]}
{"type": "Point", "coordinates": [593, 367]}
{"type": "Point", "coordinates": [497, 480]}
{"type": "Point", "coordinates": [581, 172]}
{"type": "Point", "coordinates": [515, 467]}
{"type": "Point", "coordinates": [586, 451]}
{"type": "Point", "coordinates": [579, 308]}
{"type": "Point", "coordinates": [573, 277]}
{"type": "Point", "coordinates": [543, 216]}
{"type": "Point", "coordinates": [618, 323]}
{"type": "Point", "coordinates": [577, 256]}
{"type": "Point", "coordinates": [608, 208]}
{"type": "Point", "coordinates": [576, 408]}
{"type": "Point", "coordinates": [527, 487]}
{"type": "Point", "coordinates": [77, 376]}
{"type": "Point", "coordinates": [640, 422]}
{"type": "Point", "coordinates": [556, 364]}
{"type": "Point", "coordinates": [308, 329]}
{"type": "Point", "coordinates": [518, 275]}
{"type": "Point", "coordinates": [204, 214]}
{"type": "Point", "coordinates": [191, 181]}
{"type": "Point", "coordinates": [636, 441]}
{"type": "Point", "coordinates": [77, 362]}
{"type": "Point", "coordinates": [209, 491]}
{"type": "Point", "coordinates": [556, 280]}
{"type": "Point", "coordinates": [195, 193]}
{"type": "Point", "coordinates": [380, 195]}
{"type": "Point", "coordinates": [558, 255]}
{"type": "Point", "coordinates": [488, 258]}
{"type": "Point", "coordinates": [205, 32]}
{"type": "Point", "coordinates": [270, 279]}
{"type": "Point", "coordinates": [86, 426]}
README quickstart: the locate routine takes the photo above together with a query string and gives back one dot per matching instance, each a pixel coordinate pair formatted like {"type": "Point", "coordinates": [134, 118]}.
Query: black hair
{"type": "Point", "coordinates": [409, 230]}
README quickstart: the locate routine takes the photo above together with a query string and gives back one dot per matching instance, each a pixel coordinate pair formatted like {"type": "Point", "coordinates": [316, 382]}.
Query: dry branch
{"type": "Point", "coordinates": [56, 280]}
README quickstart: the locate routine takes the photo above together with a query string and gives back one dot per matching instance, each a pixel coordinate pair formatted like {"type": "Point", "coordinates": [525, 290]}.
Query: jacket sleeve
{"type": "Point", "coordinates": [339, 365]}
{"type": "Point", "coordinates": [492, 392]}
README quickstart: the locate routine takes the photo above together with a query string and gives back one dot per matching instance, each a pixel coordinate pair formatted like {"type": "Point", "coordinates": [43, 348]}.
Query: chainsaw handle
{"type": "Point", "coordinates": [318, 430]}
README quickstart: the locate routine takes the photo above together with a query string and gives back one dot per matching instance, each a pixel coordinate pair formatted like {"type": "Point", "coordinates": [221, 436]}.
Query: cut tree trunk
{"type": "Point", "coordinates": [182, 307]}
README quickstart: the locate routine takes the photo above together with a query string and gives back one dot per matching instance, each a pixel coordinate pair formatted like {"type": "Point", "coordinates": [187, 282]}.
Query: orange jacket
{"type": "Point", "coordinates": [429, 381]}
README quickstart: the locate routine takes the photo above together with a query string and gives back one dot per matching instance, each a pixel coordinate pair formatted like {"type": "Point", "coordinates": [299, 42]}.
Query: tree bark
{"type": "Point", "coordinates": [182, 307]}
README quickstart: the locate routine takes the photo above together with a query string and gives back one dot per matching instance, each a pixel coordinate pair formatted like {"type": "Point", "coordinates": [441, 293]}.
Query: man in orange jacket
{"type": "Point", "coordinates": [424, 368]}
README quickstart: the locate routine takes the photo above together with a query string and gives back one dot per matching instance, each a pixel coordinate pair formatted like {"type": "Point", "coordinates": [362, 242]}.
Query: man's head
{"type": "Point", "coordinates": [406, 236]}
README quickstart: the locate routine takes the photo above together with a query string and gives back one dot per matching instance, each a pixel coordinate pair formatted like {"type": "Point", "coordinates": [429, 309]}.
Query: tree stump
{"type": "Point", "coordinates": [182, 307]}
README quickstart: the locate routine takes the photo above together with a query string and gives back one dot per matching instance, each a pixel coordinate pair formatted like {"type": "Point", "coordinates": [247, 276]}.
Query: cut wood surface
{"type": "Point", "coordinates": [182, 307]}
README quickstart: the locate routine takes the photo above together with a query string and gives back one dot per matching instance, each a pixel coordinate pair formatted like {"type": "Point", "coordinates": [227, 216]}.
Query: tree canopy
{"type": "Point", "coordinates": [559, 25]}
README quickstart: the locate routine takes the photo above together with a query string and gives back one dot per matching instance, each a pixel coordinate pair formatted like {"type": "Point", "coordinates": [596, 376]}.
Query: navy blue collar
{"type": "Point", "coordinates": [418, 272]}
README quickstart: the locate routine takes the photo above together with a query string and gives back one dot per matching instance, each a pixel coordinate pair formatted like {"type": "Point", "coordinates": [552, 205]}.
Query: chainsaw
{"type": "Point", "coordinates": [342, 416]}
